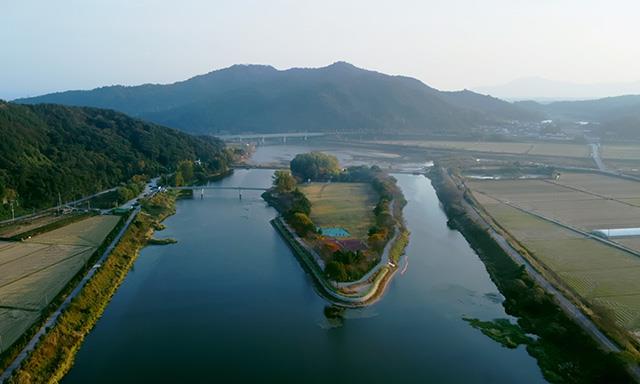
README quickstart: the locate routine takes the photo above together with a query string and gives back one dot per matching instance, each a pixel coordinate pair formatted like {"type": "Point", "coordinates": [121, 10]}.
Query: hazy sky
{"type": "Point", "coordinates": [78, 44]}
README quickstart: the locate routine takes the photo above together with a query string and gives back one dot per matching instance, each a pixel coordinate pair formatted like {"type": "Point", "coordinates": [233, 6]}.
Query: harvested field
{"type": "Point", "coordinates": [582, 200]}
{"type": "Point", "coordinates": [89, 232]}
{"type": "Point", "coordinates": [515, 148]}
{"type": "Point", "coordinates": [602, 274]}
{"type": "Point", "coordinates": [33, 272]}
{"type": "Point", "coordinates": [620, 152]}
{"type": "Point", "coordinates": [13, 323]}
{"type": "Point", "coordinates": [345, 205]}
{"type": "Point", "coordinates": [29, 225]}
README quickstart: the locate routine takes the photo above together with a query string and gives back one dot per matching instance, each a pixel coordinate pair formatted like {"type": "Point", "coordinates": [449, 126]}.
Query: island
{"type": "Point", "coordinates": [345, 225]}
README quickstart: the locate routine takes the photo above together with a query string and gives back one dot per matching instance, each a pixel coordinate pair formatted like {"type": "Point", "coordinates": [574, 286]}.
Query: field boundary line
{"type": "Point", "coordinates": [46, 267]}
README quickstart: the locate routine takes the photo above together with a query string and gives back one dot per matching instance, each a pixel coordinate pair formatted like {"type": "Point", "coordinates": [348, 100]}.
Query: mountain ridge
{"type": "Point", "coordinates": [261, 98]}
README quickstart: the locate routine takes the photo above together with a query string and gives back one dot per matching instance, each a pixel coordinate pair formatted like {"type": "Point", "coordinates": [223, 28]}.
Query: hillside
{"type": "Point", "coordinates": [617, 116]}
{"type": "Point", "coordinates": [50, 149]}
{"type": "Point", "coordinates": [339, 97]}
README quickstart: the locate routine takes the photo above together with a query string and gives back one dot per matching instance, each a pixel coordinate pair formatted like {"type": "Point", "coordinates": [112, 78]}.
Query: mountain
{"type": "Point", "coordinates": [50, 149]}
{"type": "Point", "coordinates": [540, 89]}
{"type": "Point", "coordinates": [258, 98]}
{"type": "Point", "coordinates": [619, 116]}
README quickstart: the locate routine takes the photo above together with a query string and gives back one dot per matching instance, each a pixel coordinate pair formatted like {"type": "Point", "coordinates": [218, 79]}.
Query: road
{"type": "Point", "coordinates": [569, 308]}
{"type": "Point", "coordinates": [45, 211]}
{"type": "Point", "coordinates": [53, 318]}
{"type": "Point", "coordinates": [595, 155]}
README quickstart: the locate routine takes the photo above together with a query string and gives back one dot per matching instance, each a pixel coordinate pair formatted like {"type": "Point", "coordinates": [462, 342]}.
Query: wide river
{"type": "Point", "coordinates": [230, 303]}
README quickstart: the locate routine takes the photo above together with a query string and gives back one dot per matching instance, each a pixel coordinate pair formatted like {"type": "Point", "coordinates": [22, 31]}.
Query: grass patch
{"type": "Point", "coordinates": [345, 205]}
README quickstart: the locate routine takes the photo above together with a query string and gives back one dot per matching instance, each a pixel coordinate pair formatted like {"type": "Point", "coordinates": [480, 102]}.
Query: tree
{"type": "Point", "coordinates": [315, 166]}
{"type": "Point", "coordinates": [283, 181]}
{"type": "Point", "coordinates": [301, 223]}
{"type": "Point", "coordinates": [336, 270]}
{"type": "Point", "coordinates": [185, 167]}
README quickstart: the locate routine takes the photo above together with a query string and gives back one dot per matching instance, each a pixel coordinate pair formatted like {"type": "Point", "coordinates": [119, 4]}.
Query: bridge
{"type": "Point", "coordinates": [239, 189]}
{"type": "Point", "coordinates": [221, 187]}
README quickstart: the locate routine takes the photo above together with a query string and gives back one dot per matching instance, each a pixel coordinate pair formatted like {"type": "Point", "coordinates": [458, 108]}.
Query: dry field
{"type": "Point", "coordinates": [620, 152]}
{"type": "Point", "coordinates": [346, 205]}
{"type": "Point", "coordinates": [14, 229]}
{"type": "Point", "coordinates": [600, 273]}
{"type": "Point", "coordinates": [514, 148]}
{"type": "Point", "coordinates": [585, 201]}
{"type": "Point", "coordinates": [34, 271]}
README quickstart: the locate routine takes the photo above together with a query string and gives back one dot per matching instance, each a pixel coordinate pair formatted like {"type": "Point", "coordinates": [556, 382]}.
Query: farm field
{"type": "Point", "coordinates": [34, 271]}
{"type": "Point", "coordinates": [584, 201]}
{"type": "Point", "coordinates": [601, 274]}
{"type": "Point", "coordinates": [620, 152]}
{"type": "Point", "coordinates": [346, 205]}
{"type": "Point", "coordinates": [516, 148]}
{"type": "Point", "coordinates": [28, 225]}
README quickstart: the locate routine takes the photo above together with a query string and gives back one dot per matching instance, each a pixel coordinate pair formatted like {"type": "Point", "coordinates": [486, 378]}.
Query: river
{"type": "Point", "coordinates": [230, 303]}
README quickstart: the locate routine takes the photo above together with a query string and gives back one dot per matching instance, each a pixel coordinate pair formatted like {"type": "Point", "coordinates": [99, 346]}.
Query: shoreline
{"type": "Point", "coordinates": [379, 281]}
{"type": "Point", "coordinates": [507, 266]}
{"type": "Point", "coordinates": [54, 354]}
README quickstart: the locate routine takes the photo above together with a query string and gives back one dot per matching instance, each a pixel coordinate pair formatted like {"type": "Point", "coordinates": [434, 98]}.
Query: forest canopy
{"type": "Point", "coordinates": [49, 149]}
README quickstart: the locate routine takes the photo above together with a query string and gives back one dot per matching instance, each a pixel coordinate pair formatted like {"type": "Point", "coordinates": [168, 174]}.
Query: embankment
{"type": "Point", "coordinates": [53, 356]}
{"type": "Point", "coordinates": [564, 351]}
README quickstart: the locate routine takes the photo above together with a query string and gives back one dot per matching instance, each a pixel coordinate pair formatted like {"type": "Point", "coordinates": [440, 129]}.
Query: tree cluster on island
{"type": "Point", "coordinates": [342, 265]}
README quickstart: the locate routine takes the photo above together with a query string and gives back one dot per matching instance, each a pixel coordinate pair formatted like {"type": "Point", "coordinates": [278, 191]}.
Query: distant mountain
{"type": "Point", "coordinates": [540, 89]}
{"type": "Point", "coordinates": [257, 98]}
{"type": "Point", "coordinates": [618, 116]}
{"type": "Point", "coordinates": [50, 149]}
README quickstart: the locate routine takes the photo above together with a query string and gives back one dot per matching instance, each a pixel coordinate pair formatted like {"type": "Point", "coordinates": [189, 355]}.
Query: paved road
{"type": "Point", "coordinates": [595, 155]}
{"type": "Point", "coordinates": [569, 308]}
{"type": "Point", "coordinates": [48, 210]}
{"type": "Point", "coordinates": [53, 318]}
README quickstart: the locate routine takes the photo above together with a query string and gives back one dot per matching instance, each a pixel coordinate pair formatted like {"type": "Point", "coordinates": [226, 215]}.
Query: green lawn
{"type": "Point", "coordinates": [346, 205]}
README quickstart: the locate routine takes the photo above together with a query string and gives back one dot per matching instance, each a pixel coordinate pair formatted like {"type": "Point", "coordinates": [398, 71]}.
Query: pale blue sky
{"type": "Point", "coordinates": [78, 44]}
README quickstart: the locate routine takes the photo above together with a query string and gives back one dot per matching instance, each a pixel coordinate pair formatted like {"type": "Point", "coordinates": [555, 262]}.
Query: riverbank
{"type": "Point", "coordinates": [54, 354]}
{"type": "Point", "coordinates": [368, 293]}
{"type": "Point", "coordinates": [564, 351]}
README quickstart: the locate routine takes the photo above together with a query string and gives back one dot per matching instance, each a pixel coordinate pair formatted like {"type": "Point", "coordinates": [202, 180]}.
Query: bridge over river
{"type": "Point", "coordinates": [238, 188]}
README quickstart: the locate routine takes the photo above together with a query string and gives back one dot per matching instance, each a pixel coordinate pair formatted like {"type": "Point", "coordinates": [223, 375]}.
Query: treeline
{"type": "Point", "coordinates": [189, 172]}
{"type": "Point", "coordinates": [290, 202]}
{"type": "Point", "coordinates": [48, 150]}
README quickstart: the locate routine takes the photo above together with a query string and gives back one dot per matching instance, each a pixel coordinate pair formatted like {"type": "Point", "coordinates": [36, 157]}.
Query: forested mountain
{"type": "Point", "coordinates": [618, 115]}
{"type": "Point", "coordinates": [339, 97]}
{"type": "Point", "coordinates": [50, 149]}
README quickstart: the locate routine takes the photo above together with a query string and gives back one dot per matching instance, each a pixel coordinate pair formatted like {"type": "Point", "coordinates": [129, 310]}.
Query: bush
{"type": "Point", "coordinates": [301, 223]}
{"type": "Point", "coordinates": [315, 166]}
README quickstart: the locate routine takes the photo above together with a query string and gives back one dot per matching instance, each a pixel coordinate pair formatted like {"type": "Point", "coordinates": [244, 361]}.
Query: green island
{"type": "Point", "coordinates": [344, 225]}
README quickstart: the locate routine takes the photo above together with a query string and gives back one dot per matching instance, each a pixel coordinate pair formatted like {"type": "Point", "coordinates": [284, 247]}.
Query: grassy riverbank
{"type": "Point", "coordinates": [54, 355]}
{"type": "Point", "coordinates": [564, 351]}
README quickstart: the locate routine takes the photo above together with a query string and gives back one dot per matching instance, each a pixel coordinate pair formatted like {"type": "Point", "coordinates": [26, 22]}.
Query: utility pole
{"type": "Point", "coordinates": [59, 203]}
{"type": "Point", "coordinates": [13, 214]}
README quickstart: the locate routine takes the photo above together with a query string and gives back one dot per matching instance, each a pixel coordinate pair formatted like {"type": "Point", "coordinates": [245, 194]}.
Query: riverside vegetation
{"type": "Point", "coordinates": [564, 351]}
{"type": "Point", "coordinates": [54, 354]}
{"type": "Point", "coordinates": [341, 265]}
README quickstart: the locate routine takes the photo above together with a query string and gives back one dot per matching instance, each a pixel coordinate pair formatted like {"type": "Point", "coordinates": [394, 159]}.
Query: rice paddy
{"type": "Point", "coordinates": [603, 275]}
{"type": "Point", "coordinates": [34, 271]}
{"type": "Point", "coordinates": [514, 148]}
